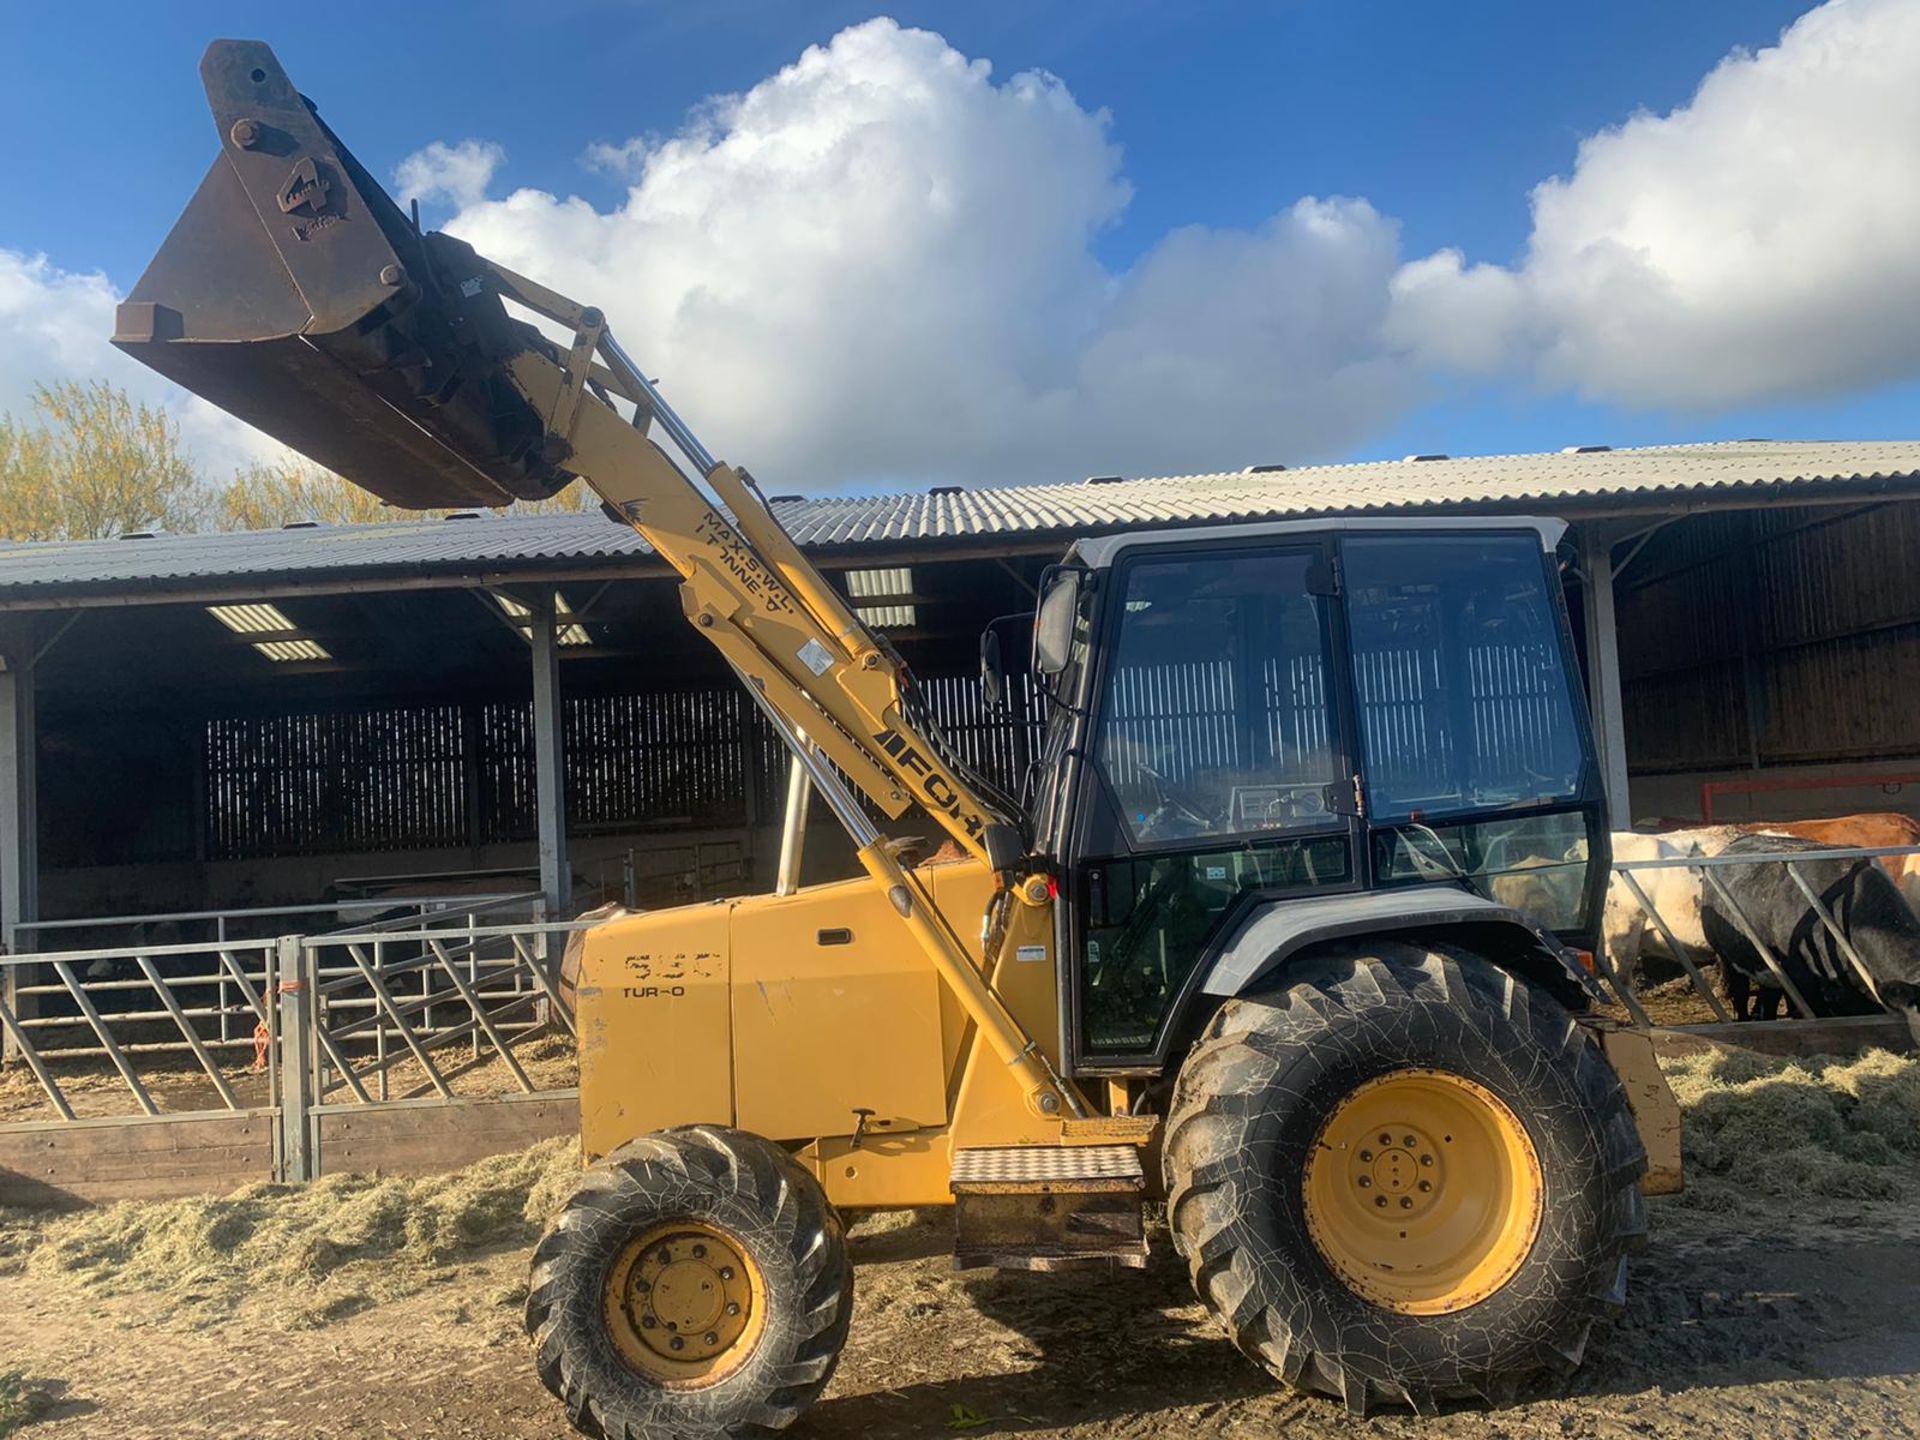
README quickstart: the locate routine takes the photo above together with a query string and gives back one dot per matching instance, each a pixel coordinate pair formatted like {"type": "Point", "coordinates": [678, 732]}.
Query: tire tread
{"type": "Point", "coordinates": [1222, 1084]}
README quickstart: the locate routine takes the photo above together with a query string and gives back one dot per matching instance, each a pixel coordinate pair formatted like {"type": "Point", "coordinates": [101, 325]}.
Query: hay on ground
{"type": "Point", "coordinates": [308, 1253]}
{"type": "Point", "coordinates": [1758, 1130]}
{"type": "Point", "coordinates": [1844, 1128]}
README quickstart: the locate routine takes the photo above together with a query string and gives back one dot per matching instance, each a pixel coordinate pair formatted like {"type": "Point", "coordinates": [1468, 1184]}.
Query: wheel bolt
{"type": "Point", "coordinates": [1411, 1142]}
{"type": "Point", "coordinates": [1366, 1157]}
{"type": "Point", "coordinates": [666, 1256]}
{"type": "Point", "coordinates": [1386, 1139]}
{"type": "Point", "coordinates": [641, 1286]}
{"type": "Point", "coordinates": [1425, 1186]}
{"type": "Point", "coordinates": [1406, 1202]}
{"type": "Point", "coordinates": [1381, 1201]}
{"type": "Point", "coordinates": [1366, 1182]}
{"type": "Point", "coordinates": [726, 1272]}
{"type": "Point", "coordinates": [676, 1343]}
{"type": "Point", "coordinates": [699, 1252]}
{"type": "Point", "coordinates": [646, 1322]}
{"type": "Point", "coordinates": [710, 1338]}
{"type": "Point", "coordinates": [1426, 1159]}
{"type": "Point", "coordinates": [732, 1309]}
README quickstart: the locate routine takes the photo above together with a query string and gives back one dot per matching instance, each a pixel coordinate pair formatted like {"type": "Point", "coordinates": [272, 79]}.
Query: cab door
{"type": "Point", "coordinates": [1215, 771]}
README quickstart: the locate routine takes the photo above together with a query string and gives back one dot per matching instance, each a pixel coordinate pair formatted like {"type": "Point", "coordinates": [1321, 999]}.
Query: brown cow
{"type": "Point", "coordinates": [1861, 832]}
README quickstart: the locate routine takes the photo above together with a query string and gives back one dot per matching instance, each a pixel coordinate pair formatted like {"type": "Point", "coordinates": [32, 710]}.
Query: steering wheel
{"type": "Point", "coordinates": [1167, 803]}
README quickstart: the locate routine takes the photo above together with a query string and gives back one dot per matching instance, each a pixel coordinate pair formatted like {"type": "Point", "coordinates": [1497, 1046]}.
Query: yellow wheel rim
{"type": "Point", "coordinates": [1423, 1192]}
{"type": "Point", "coordinates": [685, 1304]}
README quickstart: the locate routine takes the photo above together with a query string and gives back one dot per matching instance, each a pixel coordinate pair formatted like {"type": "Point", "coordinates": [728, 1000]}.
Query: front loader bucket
{"type": "Point", "coordinates": [295, 294]}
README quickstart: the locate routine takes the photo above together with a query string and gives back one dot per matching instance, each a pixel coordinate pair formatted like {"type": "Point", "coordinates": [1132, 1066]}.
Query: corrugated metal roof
{"type": "Point", "coordinates": [1559, 483]}
{"type": "Point", "coordinates": [422, 546]}
{"type": "Point", "coordinates": [1373, 487]}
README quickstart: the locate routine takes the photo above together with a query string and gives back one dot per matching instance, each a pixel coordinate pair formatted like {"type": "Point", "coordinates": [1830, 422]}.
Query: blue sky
{"type": "Point", "coordinates": [1442, 118]}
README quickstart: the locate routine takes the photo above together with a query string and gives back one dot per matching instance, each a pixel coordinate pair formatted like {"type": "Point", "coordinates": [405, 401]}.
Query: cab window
{"type": "Point", "coordinates": [1214, 718]}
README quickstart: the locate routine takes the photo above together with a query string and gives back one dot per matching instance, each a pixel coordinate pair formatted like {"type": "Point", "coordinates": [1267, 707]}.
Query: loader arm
{"type": "Point", "coordinates": [294, 293]}
{"type": "Point", "coordinates": [746, 585]}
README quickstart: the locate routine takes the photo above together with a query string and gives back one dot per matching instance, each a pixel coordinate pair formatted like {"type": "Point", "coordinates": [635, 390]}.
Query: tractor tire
{"type": "Point", "coordinates": [696, 1284]}
{"type": "Point", "coordinates": [1408, 1177]}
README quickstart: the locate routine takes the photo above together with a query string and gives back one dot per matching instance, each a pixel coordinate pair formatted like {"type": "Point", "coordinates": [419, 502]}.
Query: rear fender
{"type": "Point", "coordinates": [1268, 939]}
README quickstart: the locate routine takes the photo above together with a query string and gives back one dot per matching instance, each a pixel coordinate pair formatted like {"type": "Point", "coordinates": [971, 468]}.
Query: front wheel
{"type": "Point", "coordinates": [1408, 1177]}
{"type": "Point", "coordinates": [696, 1284]}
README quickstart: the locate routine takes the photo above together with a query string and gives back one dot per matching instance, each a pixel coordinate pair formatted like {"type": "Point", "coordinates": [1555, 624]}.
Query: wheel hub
{"type": "Point", "coordinates": [1423, 1192]}
{"type": "Point", "coordinates": [1400, 1172]}
{"type": "Point", "coordinates": [683, 1303]}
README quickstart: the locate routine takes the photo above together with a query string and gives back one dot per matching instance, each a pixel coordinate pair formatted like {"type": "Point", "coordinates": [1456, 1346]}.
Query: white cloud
{"type": "Point", "coordinates": [458, 174]}
{"type": "Point", "coordinates": [625, 161]}
{"type": "Point", "coordinates": [876, 267]}
{"type": "Point", "coordinates": [1755, 244]}
{"type": "Point", "coordinates": [55, 325]}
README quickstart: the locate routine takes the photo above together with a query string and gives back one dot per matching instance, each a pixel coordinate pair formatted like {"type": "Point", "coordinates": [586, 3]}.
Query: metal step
{"type": "Point", "coordinates": [1048, 1207]}
{"type": "Point", "coordinates": [1111, 1129]}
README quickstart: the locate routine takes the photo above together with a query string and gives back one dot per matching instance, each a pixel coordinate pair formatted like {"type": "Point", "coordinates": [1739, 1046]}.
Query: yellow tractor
{"type": "Point", "coordinates": [1292, 926]}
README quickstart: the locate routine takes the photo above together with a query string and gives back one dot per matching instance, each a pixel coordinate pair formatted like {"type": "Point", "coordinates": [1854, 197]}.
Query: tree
{"type": "Point", "coordinates": [270, 493]}
{"type": "Point", "coordinates": [575, 499]}
{"type": "Point", "coordinates": [100, 465]}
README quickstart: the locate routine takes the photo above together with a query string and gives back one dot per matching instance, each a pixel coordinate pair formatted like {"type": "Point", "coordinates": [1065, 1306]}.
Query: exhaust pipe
{"type": "Point", "coordinates": [296, 294]}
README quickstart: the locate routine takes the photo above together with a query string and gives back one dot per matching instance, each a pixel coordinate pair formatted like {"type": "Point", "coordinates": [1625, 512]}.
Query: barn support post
{"type": "Point", "coordinates": [19, 815]}
{"type": "Point", "coordinates": [1604, 699]}
{"type": "Point", "coordinates": [549, 759]}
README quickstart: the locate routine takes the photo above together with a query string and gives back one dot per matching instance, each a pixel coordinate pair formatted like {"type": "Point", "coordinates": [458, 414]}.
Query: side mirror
{"type": "Point", "coordinates": [1053, 623]}
{"type": "Point", "coordinates": [993, 675]}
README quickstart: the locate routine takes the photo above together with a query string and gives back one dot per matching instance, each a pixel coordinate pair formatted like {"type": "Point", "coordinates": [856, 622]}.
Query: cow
{"type": "Point", "coordinates": [1877, 831]}
{"type": "Point", "coordinates": [1629, 933]}
{"type": "Point", "coordinates": [1863, 901]}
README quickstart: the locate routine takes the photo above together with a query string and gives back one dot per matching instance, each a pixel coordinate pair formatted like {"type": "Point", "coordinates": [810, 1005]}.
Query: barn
{"type": "Point", "coordinates": [236, 726]}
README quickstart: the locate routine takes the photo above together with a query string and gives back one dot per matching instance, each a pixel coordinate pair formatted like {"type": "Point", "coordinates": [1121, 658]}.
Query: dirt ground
{"type": "Point", "coordinates": [1770, 1304]}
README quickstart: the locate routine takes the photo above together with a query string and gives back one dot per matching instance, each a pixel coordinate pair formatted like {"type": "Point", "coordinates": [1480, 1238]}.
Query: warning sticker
{"type": "Point", "coordinates": [1030, 954]}
{"type": "Point", "coordinates": [816, 657]}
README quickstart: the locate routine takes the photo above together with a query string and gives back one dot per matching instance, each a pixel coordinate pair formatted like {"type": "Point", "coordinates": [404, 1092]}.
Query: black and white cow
{"type": "Point", "coordinates": [1865, 903]}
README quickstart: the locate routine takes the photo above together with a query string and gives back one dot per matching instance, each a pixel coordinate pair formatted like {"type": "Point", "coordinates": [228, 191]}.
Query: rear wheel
{"type": "Point", "coordinates": [1408, 1177]}
{"type": "Point", "coordinates": [696, 1284]}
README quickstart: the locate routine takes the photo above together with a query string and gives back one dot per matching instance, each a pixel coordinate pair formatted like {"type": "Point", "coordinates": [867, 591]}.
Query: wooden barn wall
{"type": "Point", "coordinates": [1773, 637]}
{"type": "Point", "coordinates": [368, 778]}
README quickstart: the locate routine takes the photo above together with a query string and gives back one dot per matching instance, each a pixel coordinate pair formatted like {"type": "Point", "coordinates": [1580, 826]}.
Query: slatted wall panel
{"type": "Point", "coordinates": [505, 788]}
{"type": "Point", "coordinates": [1185, 718]}
{"type": "Point", "coordinates": [1512, 701]}
{"type": "Point", "coordinates": [385, 779]}
{"type": "Point", "coordinates": [1403, 718]}
{"type": "Point", "coordinates": [1174, 719]}
{"type": "Point", "coordinates": [1298, 733]}
{"type": "Point", "coordinates": [664, 758]}
{"type": "Point", "coordinates": [1514, 690]}
{"type": "Point", "coordinates": [995, 743]}
{"type": "Point", "coordinates": [436, 776]}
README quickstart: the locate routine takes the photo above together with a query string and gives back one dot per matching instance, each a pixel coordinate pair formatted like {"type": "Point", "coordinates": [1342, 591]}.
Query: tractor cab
{"type": "Point", "coordinates": [1244, 718]}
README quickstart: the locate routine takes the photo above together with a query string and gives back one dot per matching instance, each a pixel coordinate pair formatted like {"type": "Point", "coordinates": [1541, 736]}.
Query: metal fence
{"type": "Point", "coordinates": [439, 1010]}
{"type": "Point", "coordinates": [465, 1009]}
{"type": "Point", "coordinates": [130, 1014]}
{"type": "Point", "coordinates": [1708, 870]}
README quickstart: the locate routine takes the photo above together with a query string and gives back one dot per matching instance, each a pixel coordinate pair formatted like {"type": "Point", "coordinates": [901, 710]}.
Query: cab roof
{"type": "Point", "coordinates": [1097, 554]}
